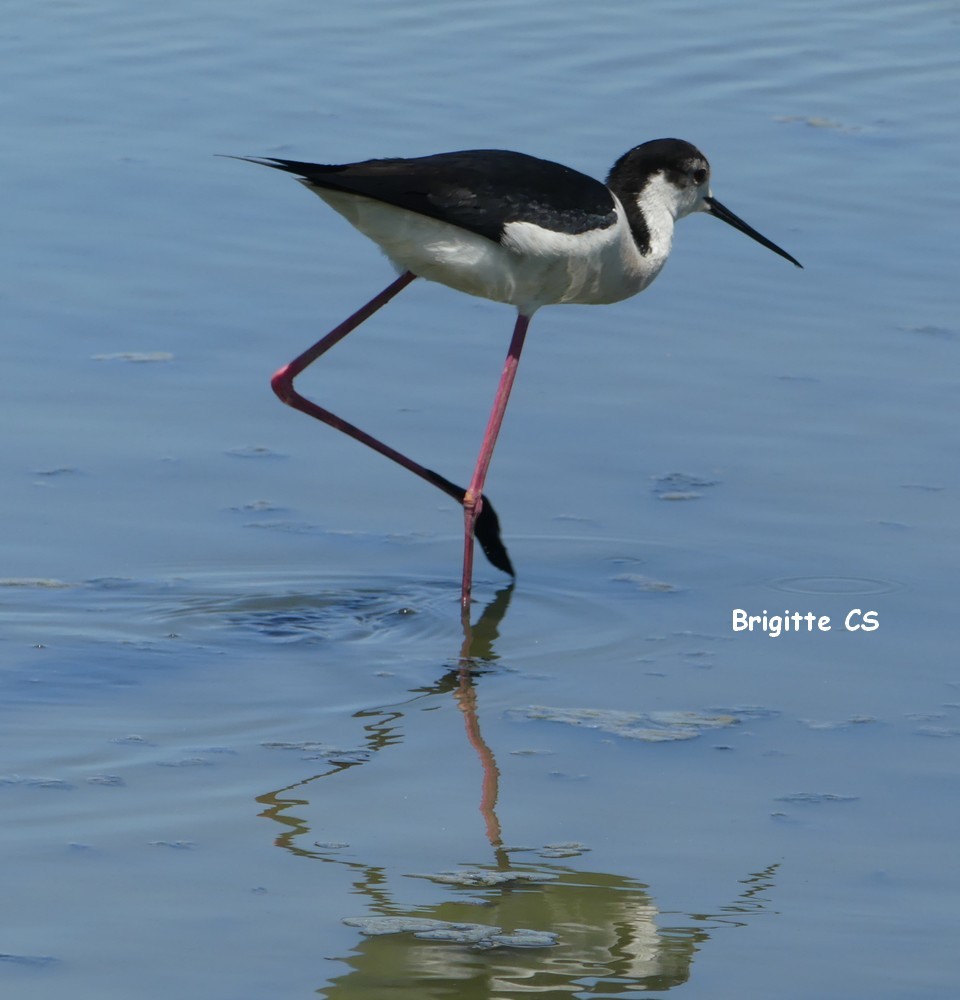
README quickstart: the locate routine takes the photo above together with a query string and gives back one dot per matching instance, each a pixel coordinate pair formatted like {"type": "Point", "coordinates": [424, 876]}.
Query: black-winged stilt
{"type": "Point", "coordinates": [516, 229]}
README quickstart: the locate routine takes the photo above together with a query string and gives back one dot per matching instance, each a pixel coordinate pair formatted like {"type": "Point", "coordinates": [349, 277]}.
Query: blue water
{"type": "Point", "coordinates": [237, 703]}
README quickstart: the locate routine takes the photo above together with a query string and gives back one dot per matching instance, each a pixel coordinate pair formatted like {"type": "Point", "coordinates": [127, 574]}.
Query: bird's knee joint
{"type": "Point", "coordinates": [472, 503]}
{"type": "Point", "coordinates": [282, 384]}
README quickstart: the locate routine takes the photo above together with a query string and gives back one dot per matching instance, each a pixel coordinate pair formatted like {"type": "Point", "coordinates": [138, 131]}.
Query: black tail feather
{"type": "Point", "coordinates": [299, 167]}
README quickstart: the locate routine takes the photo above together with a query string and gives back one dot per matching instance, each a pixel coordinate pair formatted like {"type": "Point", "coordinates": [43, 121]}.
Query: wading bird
{"type": "Point", "coordinates": [516, 229]}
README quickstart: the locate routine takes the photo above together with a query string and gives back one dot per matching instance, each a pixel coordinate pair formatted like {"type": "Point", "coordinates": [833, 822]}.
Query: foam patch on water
{"type": "Point", "coordinates": [478, 877]}
{"type": "Point", "coordinates": [136, 357]}
{"type": "Point", "coordinates": [841, 585]}
{"type": "Point", "coordinates": [648, 727]}
{"type": "Point", "coordinates": [481, 936]}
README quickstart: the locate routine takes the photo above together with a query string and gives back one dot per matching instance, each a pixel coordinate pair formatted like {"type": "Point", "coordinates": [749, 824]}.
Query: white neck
{"type": "Point", "coordinates": [661, 204]}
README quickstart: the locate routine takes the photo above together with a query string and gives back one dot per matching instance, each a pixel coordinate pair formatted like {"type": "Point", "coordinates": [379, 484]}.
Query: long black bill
{"type": "Point", "coordinates": [725, 215]}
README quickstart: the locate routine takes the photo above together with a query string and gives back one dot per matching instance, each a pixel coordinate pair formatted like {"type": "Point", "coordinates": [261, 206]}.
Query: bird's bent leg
{"type": "Point", "coordinates": [473, 500]}
{"type": "Point", "coordinates": [487, 526]}
{"type": "Point", "coordinates": [282, 383]}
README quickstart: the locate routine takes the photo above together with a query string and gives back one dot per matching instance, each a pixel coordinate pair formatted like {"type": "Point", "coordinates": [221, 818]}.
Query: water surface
{"type": "Point", "coordinates": [238, 705]}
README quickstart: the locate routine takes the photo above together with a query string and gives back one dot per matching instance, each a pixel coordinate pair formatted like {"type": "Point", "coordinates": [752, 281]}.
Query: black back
{"type": "Point", "coordinates": [480, 190]}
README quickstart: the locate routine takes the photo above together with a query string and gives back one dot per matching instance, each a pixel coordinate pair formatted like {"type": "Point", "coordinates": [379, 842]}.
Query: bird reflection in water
{"type": "Point", "coordinates": [600, 933]}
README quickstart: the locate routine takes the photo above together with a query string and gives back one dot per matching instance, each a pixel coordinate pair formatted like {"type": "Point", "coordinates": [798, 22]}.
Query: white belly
{"type": "Point", "coordinates": [533, 267]}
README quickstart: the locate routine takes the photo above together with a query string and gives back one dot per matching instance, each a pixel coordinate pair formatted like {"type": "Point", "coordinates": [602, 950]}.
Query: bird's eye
{"type": "Point", "coordinates": [699, 176]}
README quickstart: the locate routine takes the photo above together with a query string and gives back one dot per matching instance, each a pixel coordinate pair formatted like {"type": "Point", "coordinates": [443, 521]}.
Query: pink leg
{"type": "Point", "coordinates": [486, 525]}
{"type": "Point", "coordinates": [282, 381]}
{"type": "Point", "coordinates": [473, 499]}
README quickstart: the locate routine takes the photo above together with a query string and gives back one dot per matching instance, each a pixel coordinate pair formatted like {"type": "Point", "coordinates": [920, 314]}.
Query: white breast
{"type": "Point", "coordinates": [531, 268]}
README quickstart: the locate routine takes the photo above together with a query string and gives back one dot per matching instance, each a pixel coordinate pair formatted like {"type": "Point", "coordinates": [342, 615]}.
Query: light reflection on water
{"type": "Point", "coordinates": [614, 939]}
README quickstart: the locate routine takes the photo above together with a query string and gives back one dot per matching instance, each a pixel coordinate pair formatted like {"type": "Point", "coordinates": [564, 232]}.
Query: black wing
{"type": "Point", "coordinates": [480, 190]}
